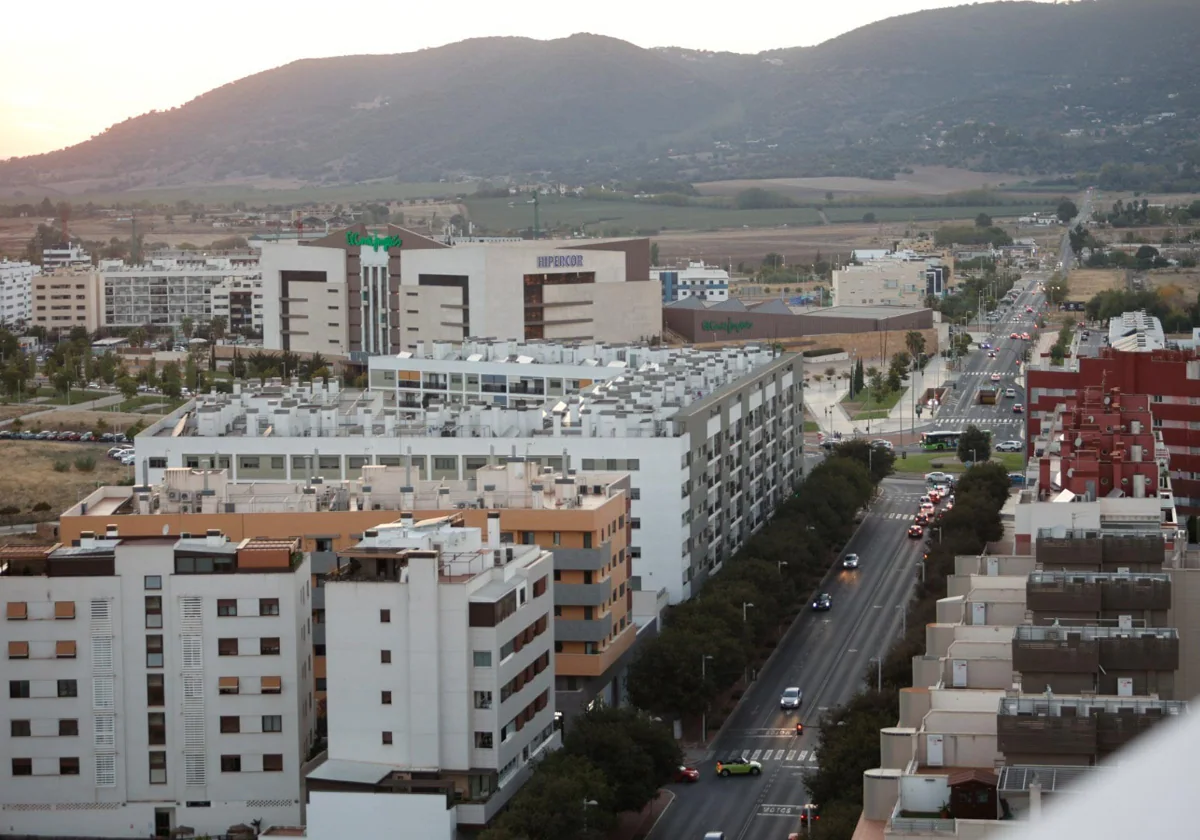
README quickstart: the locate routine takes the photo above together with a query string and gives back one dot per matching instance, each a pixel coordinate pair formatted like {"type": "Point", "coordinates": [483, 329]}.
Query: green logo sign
{"type": "Point", "coordinates": [729, 326]}
{"type": "Point", "coordinates": [371, 241]}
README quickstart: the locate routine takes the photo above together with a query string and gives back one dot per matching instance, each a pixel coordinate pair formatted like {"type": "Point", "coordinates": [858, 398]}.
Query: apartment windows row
{"type": "Point", "coordinates": [40, 610]}
{"type": "Point", "coordinates": [228, 607]}
{"type": "Point", "coordinates": [518, 682]}
{"type": "Point", "coordinates": [266, 763]}
{"type": "Point", "coordinates": [514, 645]}
{"type": "Point", "coordinates": [60, 649]}
{"type": "Point", "coordinates": [524, 716]}
{"type": "Point", "coordinates": [44, 728]}
{"type": "Point", "coordinates": [42, 689]}
{"type": "Point", "coordinates": [266, 646]}
{"type": "Point", "coordinates": [251, 724]}
{"type": "Point", "coordinates": [66, 766]}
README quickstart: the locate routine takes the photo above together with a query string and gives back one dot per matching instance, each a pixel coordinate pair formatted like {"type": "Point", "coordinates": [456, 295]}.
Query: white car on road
{"type": "Point", "coordinates": [1009, 446]}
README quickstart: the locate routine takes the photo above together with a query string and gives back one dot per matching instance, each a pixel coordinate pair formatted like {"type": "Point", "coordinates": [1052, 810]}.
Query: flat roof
{"type": "Point", "coordinates": [359, 772]}
{"type": "Point", "coordinates": [877, 312]}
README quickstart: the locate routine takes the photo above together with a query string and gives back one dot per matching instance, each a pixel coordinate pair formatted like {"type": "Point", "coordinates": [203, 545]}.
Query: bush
{"type": "Point", "coordinates": [824, 351]}
{"type": "Point", "coordinates": [9, 510]}
{"type": "Point", "coordinates": [41, 507]}
{"type": "Point", "coordinates": [62, 466]}
{"type": "Point", "coordinates": [85, 463]}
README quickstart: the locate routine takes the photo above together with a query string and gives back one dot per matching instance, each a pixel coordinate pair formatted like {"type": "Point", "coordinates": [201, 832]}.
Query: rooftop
{"type": "Point", "coordinates": [511, 484]}
{"type": "Point", "coordinates": [1136, 331]}
{"type": "Point", "coordinates": [640, 401]}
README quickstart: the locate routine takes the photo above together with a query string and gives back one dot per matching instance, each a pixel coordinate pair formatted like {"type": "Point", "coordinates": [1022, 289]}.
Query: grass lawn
{"type": "Point", "coordinates": [871, 408]}
{"type": "Point", "coordinates": [811, 426]}
{"type": "Point", "coordinates": [926, 462]}
{"type": "Point", "coordinates": [75, 397]}
{"type": "Point", "coordinates": [140, 402]}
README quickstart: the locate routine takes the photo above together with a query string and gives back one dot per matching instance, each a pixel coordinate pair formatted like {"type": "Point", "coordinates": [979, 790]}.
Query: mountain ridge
{"type": "Point", "coordinates": [994, 86]}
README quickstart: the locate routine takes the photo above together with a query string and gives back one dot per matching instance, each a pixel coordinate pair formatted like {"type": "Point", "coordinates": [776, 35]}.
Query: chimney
{"type": "Point", "coordinates": [87, 539]}
{"type": "Point", "coordinates": [366, 497]}
{"type": "Point", "coordinates": [406, 520]}
{"type": "Point", "coordinates": [110, 532]}
{"type": "Point", "coordinates": [1035, 801]}
{"type": "Point", "coordinates": [214, 537]}
{"type": "Point", "coordinates": [408, 498]}
{"type": "Point", "coordinates": [493, 530]}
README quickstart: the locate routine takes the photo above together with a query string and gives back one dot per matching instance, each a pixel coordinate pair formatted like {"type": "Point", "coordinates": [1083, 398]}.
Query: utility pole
{"type": "Point", "coordinates": [536, 218]}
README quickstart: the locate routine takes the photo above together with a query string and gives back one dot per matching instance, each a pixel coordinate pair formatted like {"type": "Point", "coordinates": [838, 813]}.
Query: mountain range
{"type": "Point", "coordinates": [1032, 88]}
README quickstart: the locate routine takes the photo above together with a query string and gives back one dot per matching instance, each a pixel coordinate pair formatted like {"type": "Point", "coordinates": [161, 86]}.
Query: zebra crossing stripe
{"type": "Point", "coordinates": [802, 755]}
{"type": "Point", "coordinates": [757, 753]}
{"type": "Point", "coordinates": [791, 754]}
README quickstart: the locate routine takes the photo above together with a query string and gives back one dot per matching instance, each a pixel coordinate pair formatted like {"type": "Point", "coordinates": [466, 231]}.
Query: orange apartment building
{"type": "Point", "coordinates": [582, 517]}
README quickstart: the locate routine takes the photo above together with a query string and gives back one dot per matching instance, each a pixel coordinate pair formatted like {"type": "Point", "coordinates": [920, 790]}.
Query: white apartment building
{"type": "Point", "coordinates": [71, 256]}
{"type": "Point", "coordinates": [440, 677]}
{"type": "Point", "coordinates": [708, 282]}
{"type": "Point", "coordinates": [711, 438]}
{"type": "Point", "coordinates": [364, 292]}
{"type": "Point", "coordinates": [154, 683]}
{"type": "Point", "coordinates": [889, 281]}
{"type": "Point", "coordinates": [16, 292]}
{"type": "Point", "coordinates": [164, 291]}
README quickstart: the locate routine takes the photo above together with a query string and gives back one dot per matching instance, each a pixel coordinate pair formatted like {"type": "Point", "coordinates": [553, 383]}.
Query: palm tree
{"type": "Point", "coordinates": [216, 328]}
{"type": "Point", "coordinates": [185, 325]}
{"type": "Point", "coordinates": [137, 337]}
{"type": "Point", "coordinates": [915, 342]}
{"type": "Point", "coordinates": [289, 362]}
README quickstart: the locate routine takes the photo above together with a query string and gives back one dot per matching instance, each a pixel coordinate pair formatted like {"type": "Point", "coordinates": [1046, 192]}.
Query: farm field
{"type": "Point", "coordinates": [924, 181]}
{"type": "Point", "coordinates": [926, 214]}
{"type": "Point", "coordinates": [253, 193]}
{"type": "Point", "coordinates": [1085, 283]}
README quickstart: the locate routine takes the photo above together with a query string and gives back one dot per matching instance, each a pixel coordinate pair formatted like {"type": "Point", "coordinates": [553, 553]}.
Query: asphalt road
{"type": "Point", "coordinates": [825, 654]}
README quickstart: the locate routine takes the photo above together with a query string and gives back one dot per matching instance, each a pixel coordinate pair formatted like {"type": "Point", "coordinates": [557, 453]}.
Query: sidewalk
{"type": "Point", "coordinates": [91, 405]}
{"type": "Point", "coordinates": [823, 401]}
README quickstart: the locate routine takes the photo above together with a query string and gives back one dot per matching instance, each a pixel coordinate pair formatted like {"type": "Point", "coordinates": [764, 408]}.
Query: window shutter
{"type": "Point", "coordinates": [103, 698]}
{"type": "Point", "coordinates": [191, 614]}
{"type": "Point", "coordinates": [101, 616]}
{"type": "Point", "coordinates": [106, 770]}
{"type": "Point", "coordinates": [193, 658]}
{"type": "Point", "coordinates": [105, 729]}
{"type": "Point", "coordinates": [102, 654]}
{"type": "Point", "coordinates": [194, 769]}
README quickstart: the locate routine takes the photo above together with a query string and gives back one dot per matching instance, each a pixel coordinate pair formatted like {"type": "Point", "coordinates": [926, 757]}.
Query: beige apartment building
{"type": "Point", "coordinates": [887, 281]}
{"type": "Point", "coordinates": [66, 299]}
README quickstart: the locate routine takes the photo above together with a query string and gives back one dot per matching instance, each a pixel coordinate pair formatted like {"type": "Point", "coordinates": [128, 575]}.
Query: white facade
{"type": "Point", "coordinates": [885, 281]}
{"type": "Point", "coordinates": [131, 722]}
{"type": "Point", "coordinates": [16, 292]}
{"type": "Point", "coordinates": [484, 291]}
{"type": "Point", "coordinates": [70, 257]}
{"type": "Point", "coordinates": [318, 319]}
{"type": "Point", "coordinates": [439, 657]}
{"type": "Point", "coordinates": [711, 439]}
{"type": "Point", "coordinates": [164, 291]}
{"type": "Point", "coordinates": [707, 282]}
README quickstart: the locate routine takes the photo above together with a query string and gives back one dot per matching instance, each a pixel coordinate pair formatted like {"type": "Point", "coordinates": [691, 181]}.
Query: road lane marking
{"type": "Point", "coordinates": [791, 754]}
{"type": "Point", "coordinates": [803, 753]}
{"type": "Point", "coordinates": [756, 755]}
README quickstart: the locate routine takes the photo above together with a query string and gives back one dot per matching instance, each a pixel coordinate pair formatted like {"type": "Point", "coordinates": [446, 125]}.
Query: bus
{"type": "Point", "coordinates": [939, 441]}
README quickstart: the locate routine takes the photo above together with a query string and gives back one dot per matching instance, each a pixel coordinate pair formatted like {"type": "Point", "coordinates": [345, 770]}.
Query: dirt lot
{"type": "Point", "coordinates": [1086, 283]}
{"type": "Point", "coordinates": [926, 180]}
{"type": "Point", "coordinates": [1180, 286]}
{"type": "Point", "coordinates": [84, 421]}
{"type": "Point", "coordinates": [30, 476]}
{"type": "Point", "coordinates": [797, 245]}
{"type": "Point", "coordinates": [8, 412]}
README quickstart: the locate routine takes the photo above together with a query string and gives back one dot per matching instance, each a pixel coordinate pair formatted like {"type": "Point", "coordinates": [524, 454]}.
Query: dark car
{"type": "Point", "coordinates": [916, 532]}
{"type": "Point", "coordinates": [823, 602]}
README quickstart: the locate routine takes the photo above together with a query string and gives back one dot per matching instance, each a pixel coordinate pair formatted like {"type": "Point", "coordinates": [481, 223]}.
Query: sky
{"type": "Point", "coordinates": [71, 69]}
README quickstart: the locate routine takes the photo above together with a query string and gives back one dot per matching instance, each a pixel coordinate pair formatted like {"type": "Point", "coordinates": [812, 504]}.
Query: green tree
{"type": "Point", "coordinates": [186, 325]}
{"type": "Point", "coordinates": [172, 381]}
{"type": "Point", "coordinates": [915, 342]}
{"type": "Point", "coordinates": [877, 460]}
{"type": "Point", "coordinates": [665, 675]}
{"type": "Point", "coordinates": [1056, 288]}
{"type": "Point", "coordinates": [989, 480]}
{"type": "Point", "coordinates": [217, 327]}
{"type": "Point", "coordinates": [653, 253]}
{"type": "Point", "coordinates": [772, 262]}
{"type": "Point", "coordinates": [551, 805]}
{"type": "Point", "coordinates": [1066, 210]}
{"type": "Point", "coordinates": [636, 754]}
{"type": "Point", "coordinates": [974, 445]}
{"type": "Point", "coordinates": [137, 337]}
{"type": "Point", "coordinates": [983, 220]}
{"type": "Point", "coordinates": [128, 387]}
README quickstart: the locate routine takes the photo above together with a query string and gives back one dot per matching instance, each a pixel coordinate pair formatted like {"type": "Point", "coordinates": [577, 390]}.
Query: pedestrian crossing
{"type": "Point", "coordinates": [982, 422]}
{"type": "Point", "coordinates": [770, 755]}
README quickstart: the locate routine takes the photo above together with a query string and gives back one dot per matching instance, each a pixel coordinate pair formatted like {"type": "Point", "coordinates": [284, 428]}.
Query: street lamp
{"type": "Point", "coordinates": [586, 804]}
{"type": "Point", "coordinates": [704, 659]}
{"type": "Point", "coordinates": [745, 604]}
{"type": "Point", "coordinates": [779, 564]}
{"type": "Point", "coordinates": [878, 672]}
{"type": "Point", "coordinates": [903, 620]}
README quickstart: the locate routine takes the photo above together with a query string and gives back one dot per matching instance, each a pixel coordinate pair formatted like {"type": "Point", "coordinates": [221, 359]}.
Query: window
{"type": "Point", "coordinates": [228, 685]}
{"type": "Point", "coordinates": [153, 582]}
{"type": "Point", "coordinates": [387, 738]}
{"type": "Point", "coordinates": [483, 740]}
{"type": "Point", "coordinates": [68, 767]}
{"type": "Point", "coordinates": [68, 688]}
{"type": "Point", "coordinates": [268, 606]}
{"type": "Point", "coordinates": [483, 699]}
{"type": "Point", "coordinates": [318, 650]}
{"type": "Point", "coordinates": [635, 522]}
{"type": "Point", "coordinates": [385, 657]}
{"type": "Point", "coordinates": [18, 650]}
{"type": "Point", "coordinates": [587, 539]}
{"type": "Point", "coordinates": [272, 723]}
{"type": "Point", "coordinates": [17, 611]}
{"type": "Point", "coordinates": [385, 616]}
{"type": "Point", "coordinates": [154, 619]}
{"type": "Point", "coordinates": [68, 728]}
{"type": "Point", "coordinates": [154, 651]}
{"type": "Point", "coordinates": [231, 724]}
{"type": "Point", "coordinates": [273, 763]}
{"type": "Point", "coordinates": [158, 768]}
{"type": "Point", "coordinates": [64, 610]}
{"type": "Point", "coordinates": [268, 646]}
{"type": "Point", "coordinates": [226, 608]}
{"type": "Point", "coordinates": [155, 690]}
{"type": "Point", "coordinates": [231, 764]}
{"type": "Point", "coordinates": [483, 659]}
{"type": "Point", "coordinates": [556, 538]}
{"type": "Point", "coordinates": [18, 728]}
{"type": "Point", "coordinates": [227, 647]}
{"type": "Point", "coordinates": [156, 725]}
{"type": "Point", "coordinates": [635, 493]}
{"type": "Point", "coordinates": [22, 766]}
{"type": "Point", "coordinates": [271, 685]}
{"type": "Point", "coordinates": [320, 684]}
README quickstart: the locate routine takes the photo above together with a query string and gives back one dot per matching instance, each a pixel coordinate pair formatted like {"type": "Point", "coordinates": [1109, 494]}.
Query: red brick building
{"type": "Point", "coordinates": [1171, 380]}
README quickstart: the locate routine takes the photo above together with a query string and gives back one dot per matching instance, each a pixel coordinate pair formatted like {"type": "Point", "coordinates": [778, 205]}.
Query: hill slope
{"type": "Point", "coordinates": [997, 86]}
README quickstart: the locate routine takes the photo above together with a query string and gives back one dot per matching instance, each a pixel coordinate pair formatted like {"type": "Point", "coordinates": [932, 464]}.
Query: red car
{"type": "Point", "coordinates": [687, 774]}
{"type": "Point", "coordinates": [1015, 335]}
{"type": "Point", "coordinates": [922, 519]}
{"type": "Point", "coordinates": [916, 532]}
{"type": "Point", "coordinates": [1025, 336]}
{"type": "Point", "coordinates": [935, 496]}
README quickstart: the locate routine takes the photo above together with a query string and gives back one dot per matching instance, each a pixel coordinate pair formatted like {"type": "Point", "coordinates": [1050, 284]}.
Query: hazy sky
{"type": "Point", "coordinates": [71, 68]}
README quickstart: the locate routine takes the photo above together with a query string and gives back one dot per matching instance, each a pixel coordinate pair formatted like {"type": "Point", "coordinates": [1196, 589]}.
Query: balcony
{"type": "Point", "coordinates": [582, 594]}
{"type": "Point", "coordinates": [581, 559]}
{"type": "Point", "coordinates": [583, 630]}
{"type": "Point", "coordinates": [1057, 593]}
{"type": "Point", "coordinates": [1076, 726]}
{"type": "Point", "coordinates": [1081, 650]}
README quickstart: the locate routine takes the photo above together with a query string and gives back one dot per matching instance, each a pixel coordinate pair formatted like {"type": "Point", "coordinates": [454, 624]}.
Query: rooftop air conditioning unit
{"type": "Point", "coordinates": [173, 495]}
